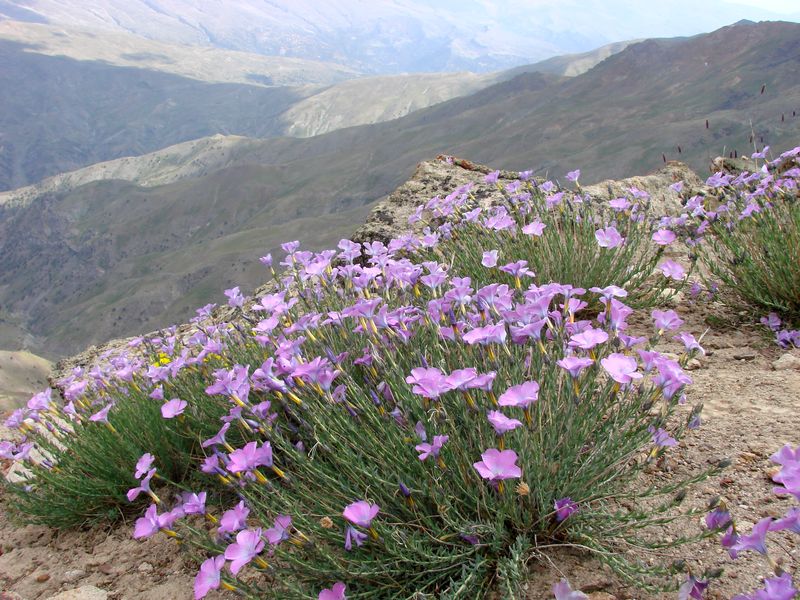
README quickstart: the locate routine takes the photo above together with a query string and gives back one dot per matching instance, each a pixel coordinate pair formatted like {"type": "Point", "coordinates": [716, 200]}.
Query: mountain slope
{"type": "Point", "coordinates": [60, 114]}
{"type": "Point", "coordinates": [204, 63]}
{"type": "Point", "coordinates": [129, 258]}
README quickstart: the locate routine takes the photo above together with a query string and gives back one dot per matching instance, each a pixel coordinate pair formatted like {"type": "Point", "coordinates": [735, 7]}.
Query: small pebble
{"type": "Point", "coordinates": [42, 578]}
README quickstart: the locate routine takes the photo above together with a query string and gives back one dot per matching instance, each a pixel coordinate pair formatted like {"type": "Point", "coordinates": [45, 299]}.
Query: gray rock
{"type": "Point", "coordinates": [85, 592]}
{"type": "Point", "coordinates": [788, 362]}
{"type": "Point", "coordinates": [73, 575]}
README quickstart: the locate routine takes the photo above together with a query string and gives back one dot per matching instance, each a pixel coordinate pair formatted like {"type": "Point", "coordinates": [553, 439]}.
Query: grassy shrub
{"type": "Point", "coordinates": [88, 464]}
{"type": "Point", "coordinates": [752, 252]}
{"type": "Point", "coordinates": [562, 236]}
{"type": "Point", "coordinates": [365, 406]}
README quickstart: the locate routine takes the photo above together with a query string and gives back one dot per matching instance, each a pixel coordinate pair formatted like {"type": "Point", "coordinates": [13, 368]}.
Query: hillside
{"type": "Point", "coordinates": [203, 63]}
{"type": "Point", "coordinates": [130, 258]}
{"type": "Point", "coordinates": [21, 375]}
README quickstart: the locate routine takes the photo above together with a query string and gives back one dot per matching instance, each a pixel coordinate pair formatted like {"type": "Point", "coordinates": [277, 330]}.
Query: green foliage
{"type": "Point", "coordinates": [567, 248]}
{"type": "Point", "coordinates": [754, 260]}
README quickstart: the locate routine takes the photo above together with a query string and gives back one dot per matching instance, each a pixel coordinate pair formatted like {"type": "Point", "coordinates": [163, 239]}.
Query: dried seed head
{"type": "Point", "coordinates": [326, 523]}
{"type": "Point", "coordinates": [523, 489]}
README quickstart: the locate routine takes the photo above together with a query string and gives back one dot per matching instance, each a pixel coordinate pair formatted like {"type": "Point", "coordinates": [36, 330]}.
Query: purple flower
{"type": "Point", "coordinates": [246, 547]}
{"type": "Point", "coordinates": [250, 457]}
{"type": "Point", "coordinates": [574, 364]}
{"type": "Point", "coordinates": [621, 368]}
{"type": "Point", "coordinates": [335, 593]}
{"type": "Point", "coordinates": [689, 342]}
{"type": "Point", "coordinates": [194, 504]}
{"type": "Point", "coordinates": [754, 541]}
{"type": "Point", "coordinates": [490, 334]}
{"type": "Point", "coordinates": [718, 519]}
{"type": "Point", "coordinates": [608, 237]}
{"type": "Point", "coordinates": [144, 486]}
{"type": "Point", "coordinates": [361, 513]}
{"type": "Point", "coordinates": [101, 416]}
{"type": "Point", "coordinates": [143, 465]}
{"type": "Point", "coordinates": [588, 339]}
{"type": "Point", "coordinates": [790, 521]}
{"type": "Point", "coordinates": [666, 320]}
{"type": "Point", "coordinates": [234, 519]}
{"type": "Point", "coordinates": [564, 508]}
{"type": "Point", "coordinates": [775, 588]}
{"type": "Point", "coordinates": [280, 530]}
{"type": "Point", "coordinates": [692, 588]}
{"type": "Point", "coordinates": [789, 475]}
{"type": "Point", "coordinates": [672, 270]}
{"type": "Point", "coordinates": [207, 577]}
{"type": "Point", "coordinates": [351, 535]}
{"type": "Point", "coordinates": [498, 465]}
{"type": "Point", "coordinates": [501, 423]}
{"type": "Point", "coordinates": [173, 408]}
{"type": "Point", "coordinates": [428, 382]}
{"type": "Point", "coordinates": [235, 298]}
{"type": "Point", "coordinates": [772, 320]}
{"type": "Point", "coordinates": [664, 237]}
{"type": "Point", "coordinates": [522, 395]}
{"type": "Point", "coordinates": [489, 259]}
{"type": "Point", "coordinates": [536, 228]}
{"type": "Point", "coordinates": [563, 591]}
{"type": "Point", "coordinates": [147, 525]}
{"type": "Point", "coordinates": [661, 437]}
{"type": "Point", "coordinates": [433, 449]}
{"type": "Point", "coordinates": [266, 260]}
{"type": "Point", "coordinates": [492, 177]}
{"type": "Point", "coordinates": [573, 176]}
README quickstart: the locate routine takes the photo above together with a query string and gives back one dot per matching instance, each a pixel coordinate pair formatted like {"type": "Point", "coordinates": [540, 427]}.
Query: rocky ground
{"type": "Point", "coordinates": [749, 386]}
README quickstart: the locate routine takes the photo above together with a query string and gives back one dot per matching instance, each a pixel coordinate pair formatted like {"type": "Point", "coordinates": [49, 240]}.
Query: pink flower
{"type": "Point", "coordinates": [247, 545]}
{"type": "Point", "coordinates": [143, 465]}
{"type": "Point", "coordinates": [588, 339]}
{"type": "Point", "coordinates": [433, 450]}
{"type": "Point", "coordinates": [563, 591]}
{"type": "Point", "coordinates": [498, 465]}
{"type": "Point", "coordinates": [501, 423]}
{"type": "Point", "coordinates": [335, 593]}
{"type": "Point", "coordinates": [574, 365]}
{"type": "Point", "coordinates": [429, 383]}
{"type": "Point", "coordinates": [101, 415]}
{"type": "Point", "coordinates": [250, 457]}
{"type": "Point", "coordinates": [489, 259]}
{"type": "Point", "coordinates": [664, 237]}
{"type": "Point", "coordinates": [280, 530]}
{"type": "Point", "coordinates": [234, 519]}
{"type": "Point", "coordinates": [361, 513]}
{"type": "Point", "coordinates": [672, 269]}
{"type": "Point", "coordinates": [491, 334]}
{"type": "Point", "coordinates": [522, 395]}
{"type": "Point", "coordinates": [608, 237]}
{"type": "Point", "coordinates": [207, 577]}
{"type": "Point", "coordinates": [536, 228]}
{"type": "Point", "coordinates": [621, 368]}
{"type": "Point", "coordinates": [173, 408]}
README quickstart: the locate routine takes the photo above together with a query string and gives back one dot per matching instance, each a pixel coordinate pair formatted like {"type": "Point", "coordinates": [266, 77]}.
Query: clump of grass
{"type": "Point", "coordinates": [751, 246]}
{"type": "Point", "coordinates": [541, 233]}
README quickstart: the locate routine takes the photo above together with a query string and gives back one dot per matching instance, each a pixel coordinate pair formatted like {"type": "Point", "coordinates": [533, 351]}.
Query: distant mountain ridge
{"type": "Point", "coordinates": [392, 36]}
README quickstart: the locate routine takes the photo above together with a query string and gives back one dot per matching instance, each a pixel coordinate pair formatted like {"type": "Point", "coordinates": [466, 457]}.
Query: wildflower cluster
{"type": "Point", "coordinates": [535, 230]}
{"type": "Point", "coordinates": [383, 423]}
{"type": "Point", "coordinates": [751, 229]}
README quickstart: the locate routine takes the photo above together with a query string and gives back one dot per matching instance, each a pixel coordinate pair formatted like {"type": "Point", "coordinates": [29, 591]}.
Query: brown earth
{"type": "Point", "coordinates": [750, 412]}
